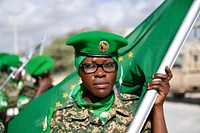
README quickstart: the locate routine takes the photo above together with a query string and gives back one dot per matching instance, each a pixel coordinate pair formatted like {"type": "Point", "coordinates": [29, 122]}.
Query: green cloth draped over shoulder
{"type": "Point", "coordinates": [97, 108]}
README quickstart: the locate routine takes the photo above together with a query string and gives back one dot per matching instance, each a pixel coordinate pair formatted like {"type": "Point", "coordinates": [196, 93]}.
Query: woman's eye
{"type": "Point", "coordinates": [109, 64]}
{"type": "Point", "coordinates": [90, 65]}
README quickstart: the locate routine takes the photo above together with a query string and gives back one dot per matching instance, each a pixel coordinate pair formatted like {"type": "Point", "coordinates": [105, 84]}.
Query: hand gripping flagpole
{"type": "Point", "coordinates": [169, 59]}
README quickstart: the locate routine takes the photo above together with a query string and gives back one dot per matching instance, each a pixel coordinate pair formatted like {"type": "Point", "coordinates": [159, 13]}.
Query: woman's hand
{"type": "Point", "coordinates": [162, 86]}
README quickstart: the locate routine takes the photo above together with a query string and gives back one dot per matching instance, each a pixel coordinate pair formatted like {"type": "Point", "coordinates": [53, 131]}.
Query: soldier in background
{"type": "Point", "coordinates": [3, 102]}
{"type": "Point", "coordinates": [11, 90]}
{"type": "Point", "coordinates": [39, 68]}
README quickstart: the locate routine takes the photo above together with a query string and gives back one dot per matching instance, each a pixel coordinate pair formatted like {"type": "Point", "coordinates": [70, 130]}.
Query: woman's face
{"type": "Point", "coordinates": [99, 83]}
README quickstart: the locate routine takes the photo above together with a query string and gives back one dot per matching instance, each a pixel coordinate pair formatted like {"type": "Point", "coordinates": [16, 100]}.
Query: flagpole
{"type": "Point", "coordinates": [169, 59]}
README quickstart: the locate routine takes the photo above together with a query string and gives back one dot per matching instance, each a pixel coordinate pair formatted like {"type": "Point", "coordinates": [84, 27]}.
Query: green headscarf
{"type": "Point", "coordinates": [99, 108]}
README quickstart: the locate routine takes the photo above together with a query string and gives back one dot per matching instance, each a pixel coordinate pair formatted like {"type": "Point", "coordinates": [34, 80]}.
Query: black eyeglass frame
{"type": "Point", "coordinates": [82, 66]}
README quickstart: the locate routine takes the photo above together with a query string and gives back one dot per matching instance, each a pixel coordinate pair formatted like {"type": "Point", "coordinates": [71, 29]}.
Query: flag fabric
{"type": "Point", "coordinates": [31, 118]}
{"type": "Point", "coordinates": [147, 46]}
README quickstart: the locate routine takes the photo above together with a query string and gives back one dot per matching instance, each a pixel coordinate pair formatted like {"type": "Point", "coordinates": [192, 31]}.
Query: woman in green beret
{"type": "Point", "coordinates": [9, 63]}
{"type": "Point", "coordinates": [94, 106]}
{"type": "Point", "coordinates": [39, 68]}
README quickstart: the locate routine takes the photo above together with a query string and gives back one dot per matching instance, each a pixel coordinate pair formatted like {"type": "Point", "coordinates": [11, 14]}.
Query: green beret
{"type": "Point", "coordinates": [96, 43]}
{"type": "Point", "coordinates": [39, 65]}
{"type": "Point", "coordinates": [1, 56]}
{"type": "Point", "coordinates": [10, 60]}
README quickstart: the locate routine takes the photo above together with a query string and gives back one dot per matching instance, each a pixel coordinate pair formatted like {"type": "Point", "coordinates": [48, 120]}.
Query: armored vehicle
{"type": "Point", "coordinates": [186, 70]}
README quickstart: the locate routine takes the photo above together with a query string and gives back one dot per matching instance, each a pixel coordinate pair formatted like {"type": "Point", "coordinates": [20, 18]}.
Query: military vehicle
{"type": "Point", "coordinates": [186, 70]}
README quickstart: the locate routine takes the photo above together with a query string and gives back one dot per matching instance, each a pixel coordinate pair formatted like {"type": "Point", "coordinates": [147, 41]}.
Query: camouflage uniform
{"type": "Point", "coordinates": [26, 94]}
{"type": "Point", "coordinates": [29, 91]}
{"type": "Point", "coordinates": [3, 105]}
{"type": "Point", "coordinates": [3, 102]}
{"type": "Point", "coordinates": [10, 94]}
{"type": "Point", "coordinates": [2, 127]}
{"type": "Point", "coordinates": [73, 118]}
{"type": "Point", "coordinates": [10, 91]}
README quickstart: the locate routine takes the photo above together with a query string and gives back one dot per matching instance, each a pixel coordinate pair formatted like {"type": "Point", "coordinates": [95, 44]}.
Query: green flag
{"type": "Point", "coordinates": [32, 117]}
{"type": "Point", "coordinates": [148, 44]}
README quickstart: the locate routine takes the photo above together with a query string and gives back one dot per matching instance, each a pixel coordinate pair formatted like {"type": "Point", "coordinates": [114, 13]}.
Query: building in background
{"type": "Point", "coordinates": [186, 69]}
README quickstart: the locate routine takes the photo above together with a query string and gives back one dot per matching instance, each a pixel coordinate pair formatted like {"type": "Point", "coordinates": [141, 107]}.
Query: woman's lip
{"type": "Point", "coordinates": [101, 85]}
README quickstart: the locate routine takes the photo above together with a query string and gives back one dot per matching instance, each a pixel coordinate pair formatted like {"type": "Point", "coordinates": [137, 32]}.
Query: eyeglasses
{"type": "Point", "coordinates": [89, 68]}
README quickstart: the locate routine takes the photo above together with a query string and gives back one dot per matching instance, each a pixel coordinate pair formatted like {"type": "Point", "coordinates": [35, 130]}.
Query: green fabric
{"type": "Point", "coordinates": [39, 65]}
{"type": "Point", "coordinates": [148, 43]}
{"type": "Point", "coordinates": [47, 120]}
{"type": "Point", "coordinates": [78, 60]}
{"type": "Point", "coordinates": [1, 56]}
{"type": "Point", "coordinates": [10, 60]}
{"type": "Point", "coordinates": [3, 101]}
{"type": "Point", "coordinates": [90, 42]}
{"type": "Point", "coordinates": [30, 121]}
{"type": "Point", "coordinates": [22, 100]}
{"type": "Point", "coordinates": [34, 114]}
{"type": "Point", "coordinates": [96, 108]}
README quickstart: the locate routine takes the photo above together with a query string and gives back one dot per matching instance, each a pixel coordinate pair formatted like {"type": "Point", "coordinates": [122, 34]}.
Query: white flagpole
{"type": "Point", "coordinates": [169, 59]}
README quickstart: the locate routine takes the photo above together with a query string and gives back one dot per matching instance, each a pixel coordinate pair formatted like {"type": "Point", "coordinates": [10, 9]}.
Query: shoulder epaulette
{"type": "Point", "coordinates": [67, 104]}
{"type": "Point", "coordinates": [128, 96]}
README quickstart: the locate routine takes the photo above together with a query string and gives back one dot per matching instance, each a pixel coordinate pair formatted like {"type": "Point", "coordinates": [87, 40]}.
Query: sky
{"type": "Point", "coordinates": [23, 23]}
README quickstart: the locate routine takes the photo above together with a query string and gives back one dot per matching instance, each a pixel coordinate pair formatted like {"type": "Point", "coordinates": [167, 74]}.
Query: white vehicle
{"type": "Point", "coordinates": [186, 70]}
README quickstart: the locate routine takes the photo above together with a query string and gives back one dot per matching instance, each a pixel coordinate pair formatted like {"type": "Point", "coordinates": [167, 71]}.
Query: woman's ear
{"type": "Point", "coordinates": [39, 77]}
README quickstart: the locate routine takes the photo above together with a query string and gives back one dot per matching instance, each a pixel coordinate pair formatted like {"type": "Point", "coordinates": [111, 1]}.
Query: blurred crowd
{"type": "Point", "coordinates": [21, 82]}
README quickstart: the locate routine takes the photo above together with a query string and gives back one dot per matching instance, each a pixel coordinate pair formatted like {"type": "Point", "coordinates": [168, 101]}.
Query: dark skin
{"type": "Point", "coordinates": [162, 86]}
{"type": "Point", "coordinates": [99, 85]}
{"type": "Point", "coordinates": [44, 82]}
{"type": "Point", "coordinates": [17, 77]}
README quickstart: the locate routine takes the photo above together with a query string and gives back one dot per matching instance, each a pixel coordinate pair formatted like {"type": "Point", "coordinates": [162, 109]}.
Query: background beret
{"type": "Point", "coordinates": [10, 60]}
{"type": "Point", "coordinates": [1, 56]}
{"type": "Point", "coordinates": [39, 65]}
{"type": "Point", "coordinates": [96, 43]}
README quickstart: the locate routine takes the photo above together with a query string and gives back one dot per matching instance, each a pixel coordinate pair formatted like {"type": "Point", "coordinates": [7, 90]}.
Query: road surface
{"type": "Point", "coordinates": [183, 115]}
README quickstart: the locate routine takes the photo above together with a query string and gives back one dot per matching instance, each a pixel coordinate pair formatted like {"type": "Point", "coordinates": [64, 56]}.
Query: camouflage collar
{"type": "Point", "coordinates": [118, 108]}
{"type": "Point", "coordinates": [81, 113]}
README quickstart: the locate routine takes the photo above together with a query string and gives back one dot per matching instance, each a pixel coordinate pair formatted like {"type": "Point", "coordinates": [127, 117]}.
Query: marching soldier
{"type": "Point", "coordinates": [11, 90]}
{"type": "Point", "coordinates": [3, 102]}
{"type": "Point", "coordinates": [39, 68]}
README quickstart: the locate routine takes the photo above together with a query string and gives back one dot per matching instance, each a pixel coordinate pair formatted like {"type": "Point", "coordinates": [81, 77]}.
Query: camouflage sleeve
{"type": "Point", "coordinates": [147, 126]}
{"type": "Point", "coordinates": [11, 92]}
{"type": "Point", "coordinates": [2, 127]}
{"type": "Point", "coordinates": [28, 91]}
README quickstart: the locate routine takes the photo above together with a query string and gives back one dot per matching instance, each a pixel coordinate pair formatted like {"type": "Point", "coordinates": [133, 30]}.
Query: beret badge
{"type": "Point", "coordinates": [103, 46]}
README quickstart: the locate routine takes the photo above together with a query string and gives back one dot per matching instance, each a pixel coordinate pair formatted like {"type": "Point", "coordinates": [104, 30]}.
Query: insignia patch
{"type": "Point", "coordinates": [103, 46]}
{"type": "Point", "coordinates": [104, 114]}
